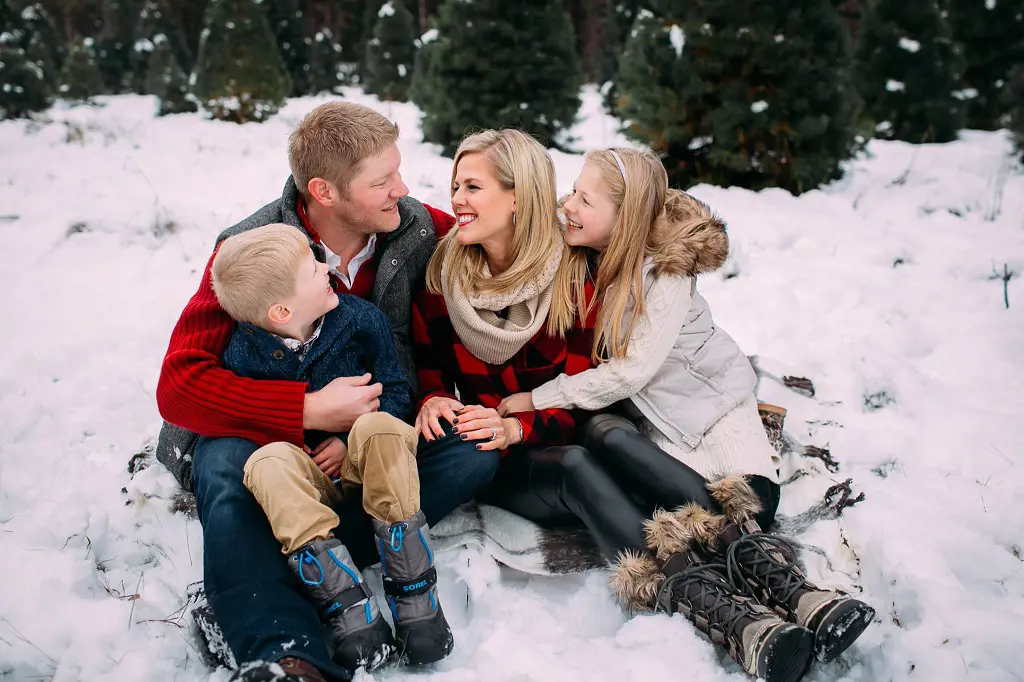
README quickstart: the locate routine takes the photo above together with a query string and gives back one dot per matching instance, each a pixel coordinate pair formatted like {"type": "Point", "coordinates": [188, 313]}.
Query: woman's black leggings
{"type": "Point", "coordinates": [612, 485]}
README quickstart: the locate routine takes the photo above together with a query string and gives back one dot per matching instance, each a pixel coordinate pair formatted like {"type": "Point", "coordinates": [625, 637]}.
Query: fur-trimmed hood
{"type": "Point", "coordinates": [689, 238]}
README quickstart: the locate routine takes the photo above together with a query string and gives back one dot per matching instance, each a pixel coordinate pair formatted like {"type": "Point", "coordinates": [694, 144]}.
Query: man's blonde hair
{"type": "Point", "coordinates": [256, 269]}
{"type": "Point", "coordinates": [333, 139]}
{"type": "Point", "coordinates": [521, 164]}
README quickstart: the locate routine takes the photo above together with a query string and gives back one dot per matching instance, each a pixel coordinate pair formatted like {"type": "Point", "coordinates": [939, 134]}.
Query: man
{"type": "Point", "coordinates": [346, 193]}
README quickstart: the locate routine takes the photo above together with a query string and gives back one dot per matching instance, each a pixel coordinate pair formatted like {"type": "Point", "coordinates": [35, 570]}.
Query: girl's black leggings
{"type": "Point", "coordinates": [612, 484]}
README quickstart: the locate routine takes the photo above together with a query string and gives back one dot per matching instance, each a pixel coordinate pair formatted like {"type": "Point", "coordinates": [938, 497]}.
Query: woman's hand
{"type": "Point", "coordinates": [329, 456]}
{"type": "Point", "coordinates": [486, 425]}
{"type": "Point", "coordinates": [517, 402]}
{"type": "Point", "coordinates": [427, 421]}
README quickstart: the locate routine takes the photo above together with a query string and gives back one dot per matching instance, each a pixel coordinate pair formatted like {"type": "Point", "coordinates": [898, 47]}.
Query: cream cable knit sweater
{"type": "Point", "coordinates": [737, 443]}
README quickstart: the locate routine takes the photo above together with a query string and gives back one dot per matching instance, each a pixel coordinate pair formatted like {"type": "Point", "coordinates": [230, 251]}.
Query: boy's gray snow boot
{"type": "Point", "coordinates": [362, 638]}
{"type": "Point", "coordinates": [764, 565]}
{"type": "Point", "coordinates": [677, 580]}
{"type": "Point", "coordinates": [407, 569]}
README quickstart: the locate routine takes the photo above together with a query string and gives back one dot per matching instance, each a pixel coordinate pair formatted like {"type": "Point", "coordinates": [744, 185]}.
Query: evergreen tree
{"type": "Point", "coordinates": [368, 19]}
{"type": "Point", "coordinates": [326, 61]}
{"type": "Point", "coordinates": [9, 20]}
{"type": "Point", "coordinates": [47, 45]}
{"type": "Point", "coordinates": [419, 91]}
{"type": "Point", "coordinates": [992, 35]}
{"type": "Point", "coordinates": [622, 15]}
{"type": "Point", "coordinates": [600, 26]}
{"type": "Point", "coordinates": [80, 78]}
{"type": "Point", "coordinates": [114, 46]}
{"type": "Point", "coordinates": [167, 80]}
{"type": "Point", "coordinates": [333, 44]}
{"type": "Point", "coordinates": [1013, 101]}
{"type": "Point", "coordinates": [347, 25]}
{"type": "Point", "coordinates": [753, 93]}
{"type": "Point", "coordinates": [156, 23]}
{"type": "Point", "coordinates": [496, 64]}
{"type": "Point", "coordinates": [239, 74]}
{"type": "Point", "coordinates": [25, 85]}
{"type": "Point", "coordinates": [850, 11]}
{"type": "Point", "coordinates": [287, 24]}
{"type": "Point", "coordinates": [391, 53]}
{"type": "Point", "coordinates": [909, 71]}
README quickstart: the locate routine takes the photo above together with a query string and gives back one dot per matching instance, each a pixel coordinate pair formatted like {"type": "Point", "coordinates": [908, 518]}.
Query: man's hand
{"type": "Point", "coordinates": [483, 424]}
{"type": "Point", "coordinates": [336, 406]}
{"type": "Point", "coordinates": [329, 456]}
{"type": "Point", "coordinates": [517, 402]}
{"type": "Point", "coordinates": [427, 421]}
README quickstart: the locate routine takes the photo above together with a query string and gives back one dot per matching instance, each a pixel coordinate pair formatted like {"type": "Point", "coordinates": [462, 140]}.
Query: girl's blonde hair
{"type": "Point", "coordinates": [521, 164]}
{"type": "Point", "coordinates": [647, 223]}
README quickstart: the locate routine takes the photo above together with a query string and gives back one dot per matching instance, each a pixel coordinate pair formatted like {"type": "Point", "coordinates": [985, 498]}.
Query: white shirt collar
{"type": "Point", "coordinates": [334, 261]}
{"type": "Point", "coordinates": [301, 348]}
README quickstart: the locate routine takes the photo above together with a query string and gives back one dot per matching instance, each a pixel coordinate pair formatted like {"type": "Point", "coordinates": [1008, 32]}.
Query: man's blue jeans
{"type": "Point", "coordinates": [258, 603]}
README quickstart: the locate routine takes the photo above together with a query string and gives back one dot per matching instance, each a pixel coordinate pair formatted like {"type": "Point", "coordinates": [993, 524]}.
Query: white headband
{"type": "Point", "coordinates": [618, 160]}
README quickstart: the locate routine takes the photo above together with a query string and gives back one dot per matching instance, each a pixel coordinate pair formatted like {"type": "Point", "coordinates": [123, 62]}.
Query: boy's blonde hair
{"type": "Point", "coordinates": [333, 139]}
{"type": "Point", "coordinates": [520, 163]}
{"type": "Point", "coordinates": [256, 269]}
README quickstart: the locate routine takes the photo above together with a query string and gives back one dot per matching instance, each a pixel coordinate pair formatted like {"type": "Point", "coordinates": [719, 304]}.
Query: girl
{"type": "Point", "coordinates": [692, 388]}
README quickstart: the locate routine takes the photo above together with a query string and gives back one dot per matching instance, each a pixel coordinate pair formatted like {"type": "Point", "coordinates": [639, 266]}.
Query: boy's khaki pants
{"type": "Point", "coordinates": [297, 497]}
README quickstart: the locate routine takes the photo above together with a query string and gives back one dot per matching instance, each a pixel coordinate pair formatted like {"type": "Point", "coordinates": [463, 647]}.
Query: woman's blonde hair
{"type": "Point", "coordinates": [646, 224]}
{"type": "Point", "coordinates": [521, 164]}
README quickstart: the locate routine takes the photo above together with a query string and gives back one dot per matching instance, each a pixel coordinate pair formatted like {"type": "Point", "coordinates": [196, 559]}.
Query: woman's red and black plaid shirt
{"type": "Point", "coordinates": [444, 364]}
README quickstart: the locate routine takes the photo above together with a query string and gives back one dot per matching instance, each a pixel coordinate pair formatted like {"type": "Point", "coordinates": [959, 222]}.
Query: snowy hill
{"type": "Point", "coordinates": [879, 288]}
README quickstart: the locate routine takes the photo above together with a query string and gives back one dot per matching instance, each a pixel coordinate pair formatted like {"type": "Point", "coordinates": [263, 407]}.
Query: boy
{"type": "Point", "coordinates": [292, 326]}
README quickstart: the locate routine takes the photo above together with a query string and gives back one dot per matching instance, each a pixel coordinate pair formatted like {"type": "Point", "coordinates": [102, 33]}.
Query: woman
{"type": "Point", "coordinates": [497, 318]}
{"type": "Point", "coordinates": [657, 348]}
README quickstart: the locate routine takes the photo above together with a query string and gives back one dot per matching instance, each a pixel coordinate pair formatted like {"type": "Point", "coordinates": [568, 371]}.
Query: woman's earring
{"type": "Point", "coordinates": [513, 218]}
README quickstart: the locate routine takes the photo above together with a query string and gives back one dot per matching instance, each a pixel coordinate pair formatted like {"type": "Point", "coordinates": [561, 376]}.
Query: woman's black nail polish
{"type": "Point", "coordinates": [455, 421]}
{"type": "Point", "coordinates": [455, 430]}
{"type": "Point", "coordinates": [479, 447]}
{"type": "Point", "coordinates": [464, 436]}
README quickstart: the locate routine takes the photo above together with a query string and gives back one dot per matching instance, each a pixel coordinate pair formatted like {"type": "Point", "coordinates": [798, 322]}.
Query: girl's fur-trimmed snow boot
{"type": "Point", "coordinates": [407, 569]}
{"type": "Point", "coordinates": [764, 566]}
{"type": "Point", "coordinates": [678, 580]}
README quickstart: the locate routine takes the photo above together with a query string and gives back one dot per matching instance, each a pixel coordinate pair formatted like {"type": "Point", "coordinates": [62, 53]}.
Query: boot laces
{"type": "Point", "coordinates": [305, 558]}
{"type": "Point", "coordinates": [724, 611]}
{"type": "Point", "coordinates": [778, 575]}
{"type": "Point", "coordinates": [397, 536]}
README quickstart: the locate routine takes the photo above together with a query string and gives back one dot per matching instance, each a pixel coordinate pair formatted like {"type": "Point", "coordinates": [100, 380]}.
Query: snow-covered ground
{"type": "Point", "coordinates": [879, 288]}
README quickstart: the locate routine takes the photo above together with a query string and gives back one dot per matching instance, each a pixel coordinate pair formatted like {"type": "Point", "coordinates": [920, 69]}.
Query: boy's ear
{"type": "Point", "coordinates": [322, 191]}
{"type": "Point", "coordinates": [279, 314]}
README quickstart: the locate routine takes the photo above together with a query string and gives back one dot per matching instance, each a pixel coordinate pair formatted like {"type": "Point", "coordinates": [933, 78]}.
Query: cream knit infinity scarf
{"type": "Point", "coordinates": [493, 338]}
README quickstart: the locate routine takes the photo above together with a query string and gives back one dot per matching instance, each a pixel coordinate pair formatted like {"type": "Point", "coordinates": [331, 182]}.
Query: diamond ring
{"type": "Point", "coordinates": [494, 434]}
